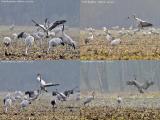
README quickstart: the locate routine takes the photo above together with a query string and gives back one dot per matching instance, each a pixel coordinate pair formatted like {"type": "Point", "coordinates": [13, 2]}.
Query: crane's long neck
{"type": "Point", "coordinates": [63, 28]}
{"type": "Point", "coordinates": [63, 33]}
{"type": "Point", "coordinates": [39, 77]}
{"type": "Point", "coordinates": [137, 19]}
{"type": "Point", "coordinates": [92, 35]}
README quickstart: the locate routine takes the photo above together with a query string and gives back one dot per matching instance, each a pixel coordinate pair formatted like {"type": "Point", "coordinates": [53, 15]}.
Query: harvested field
{"type": "Point", "coordinates": [17, 50]}
{"type": "Point", "coordinates": [137, 46]}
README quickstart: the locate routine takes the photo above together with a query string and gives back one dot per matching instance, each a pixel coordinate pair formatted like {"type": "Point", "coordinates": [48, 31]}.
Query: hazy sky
{"type": "Point", "coordinates": [87, 13]}
{"type": "Point", "coordinates": [22, 75]}
{"type": "Point", "coordinates": [21, 13]}
{"type": "Point", "coordinates": [115, 12]}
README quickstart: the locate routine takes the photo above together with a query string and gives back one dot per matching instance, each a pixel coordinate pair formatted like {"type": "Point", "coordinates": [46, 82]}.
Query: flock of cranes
{"type": "Point", "coordinates": [28, 97]}
{"type": "Point", "coordinates": [53, 33]}
{"type": "Point", "coordinates": [114, 41]}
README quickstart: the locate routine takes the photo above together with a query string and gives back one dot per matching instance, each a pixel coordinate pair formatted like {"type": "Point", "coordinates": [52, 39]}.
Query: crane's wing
{"type": "Point", "coordinates": [131, 82]}
{"type": "Point", "coordinates": [68, 92]}
{"type": "Point", "coordinates": [71, 91]}
{"type": "Point", "coordinates": [147, 84]}
{"type": "Point", "coordinates": [50, 84]}
{"type": "Point", "coordinates": [55, 24]}
{"type": "Point", "coordinates": [146, 24]}
{"type": "Point", "coordinates": [46, 23]}
{"type": "Point", "coordinates": [62, 96]}
{"type": "Point", "coordinates": [136, 84]}
{"type": "Point", "coordinates": [87, 100]}
{"type": "Point", "coordinates": [139, 20]}
{"type": "Point", "coordinates": [38, 25]}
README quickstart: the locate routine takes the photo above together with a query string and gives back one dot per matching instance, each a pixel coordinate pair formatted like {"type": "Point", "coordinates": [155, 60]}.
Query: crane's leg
{"type": "Point", "coordinates": [48, 49]}
{"type": "Point", "coordinates": [6, 109]}
{"type": "Point", "coordinates": [26, 51]}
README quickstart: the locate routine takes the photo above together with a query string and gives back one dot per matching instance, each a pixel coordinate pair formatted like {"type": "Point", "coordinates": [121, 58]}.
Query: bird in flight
{"type": "Point", "coordinates": [44, 85]}
{"type": "Point", "coordinates": [140, 86]}
{"type": "Point", "coordinates": [46, 28]}
{"type": "Point", "coordinates": [141, 23]}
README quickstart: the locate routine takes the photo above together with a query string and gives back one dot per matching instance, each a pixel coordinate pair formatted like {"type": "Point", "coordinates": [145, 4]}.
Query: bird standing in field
{"type": "Point", "coordinates": [7, 101]}
{"type": "Point", "coordinates": [14, 36]}
{"type": "Point", "coordinates": [109, 37]}
{"type": "Point", "coordinates": [7, 42]}
{"type": "Point", "coordinates": [33, 95]}
{"type": "Point", "coordinates": [39, 36]}
{"type": "Point", "coordinates": [89, 38]}
{"type": "Point", "coordinates": [119, 100]}
{"type": "Point", "coordinates": [53, 103]}
{"type": "Point", "coordinates": [115, 42]}
{"type": "Point", "coordinates": [28, 39]}
{"type": "Point", "coordinates": [112, 40]}
{"type": "Point", "coordinates": [68, 40]}
{"type": "Point", "coordinates": [89, 99]}
{"type": "Point", "coordinates": [25, 103]}
{"type": "Point", "coordinates": [55, 42]}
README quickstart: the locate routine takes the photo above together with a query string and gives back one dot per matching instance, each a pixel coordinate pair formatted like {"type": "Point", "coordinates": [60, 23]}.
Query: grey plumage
{"type": "Point", "coordinates": [140, 86]}
{"type": "Point", "coordinates": [28, 39]}
{"type": "Point", "coordinates": [54, 42]}
{"type": "Point", "coordinates": [46, 28]}
{"type": "Point", "coordinates": [68, 40]}
{"type": "Point", "coordinates": [25, 103]}
{"type": "Point", "coordinates": [89, 99]}
{"type": "Point", "coordinates": [33, 95]}
{"type": "Point", "coordinates": [141, 23]}
{"type": "Point", "coordinates": [53, 103]}
{"type": "Point", "coordinates": [7, 101]}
